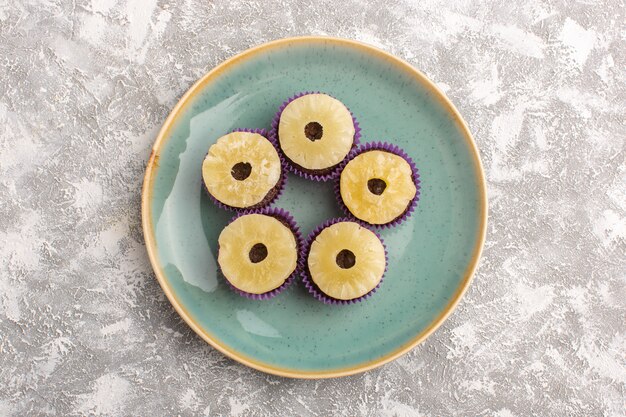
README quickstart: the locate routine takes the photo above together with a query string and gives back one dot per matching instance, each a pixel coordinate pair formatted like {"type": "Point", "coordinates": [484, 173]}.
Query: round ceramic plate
{"type": "Point", "coordinates": [432, 256]}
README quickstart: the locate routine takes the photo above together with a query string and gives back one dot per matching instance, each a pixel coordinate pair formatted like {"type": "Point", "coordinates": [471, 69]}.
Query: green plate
{"type": "Point", "coordinates": [432, 256]}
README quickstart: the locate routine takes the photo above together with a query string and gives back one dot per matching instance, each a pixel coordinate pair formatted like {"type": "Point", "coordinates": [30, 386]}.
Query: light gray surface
{"type": "Point", "coordinates": [84, 326]}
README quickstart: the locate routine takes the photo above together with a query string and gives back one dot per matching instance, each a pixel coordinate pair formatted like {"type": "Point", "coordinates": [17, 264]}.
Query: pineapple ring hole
{"type": "Point", "coordinates": [313, 131]}
{"type": "Point", "coordinates": [345, 259]}
{"type": "Point", "coordinates": [241, 170]}
{"type": "Point", "coordinates": [257, 253]}
{"type": "Point", "coordinates": [376, 186]}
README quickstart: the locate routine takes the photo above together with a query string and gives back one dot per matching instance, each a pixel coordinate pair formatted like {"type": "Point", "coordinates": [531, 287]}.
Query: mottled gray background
{"type": "Point", "coordinates": [84, 326]}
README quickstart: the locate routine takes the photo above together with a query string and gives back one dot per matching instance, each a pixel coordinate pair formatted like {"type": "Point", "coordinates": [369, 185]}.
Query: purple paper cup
{"type": "Point", "coordinates": [307, 279]}
{"type": "Point", "coordinates": [396, 150]}
{"type": "Point", "coordinates": [278, 189]}
{"type": "Point", "coordinates": [320, 175]}
{"type": "Point", "coordinates": [287, 219]}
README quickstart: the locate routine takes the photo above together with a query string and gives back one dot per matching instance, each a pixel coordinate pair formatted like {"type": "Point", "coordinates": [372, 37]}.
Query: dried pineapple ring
{"type": "Point", "coordinates": [316, 131]}
{"type": "Point", "coordinates": [257, 253]}
{"type": "Point", "coordinates": [346, 261]}
{"type": "Point", "coordinates": [242, 170]}
{"type": "Point", "coordinates": [377, 186]}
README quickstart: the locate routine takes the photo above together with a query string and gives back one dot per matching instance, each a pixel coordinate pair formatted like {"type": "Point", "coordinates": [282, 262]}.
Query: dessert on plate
{"type": "Point", "coordinates": [343, 262]}
{"type": "Point", "coordinates": [315, 133]}
{"type": "Point", "coordinates": [379, 185]}
{"type": "Point", "coordinates": [243, 170]}
{"type": "Point", "coordinates": [258, 252]}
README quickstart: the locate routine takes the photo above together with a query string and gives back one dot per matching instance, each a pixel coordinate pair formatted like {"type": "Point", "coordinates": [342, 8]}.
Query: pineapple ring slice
{"type": "Point", "coordinates": [241, 168]}
{"type": "Point", "coordinates": [316, 131]}
{"type": "Point", "coordinates": [257, 253]}
{"type": "Point", "coordinates": [346, 260]}
{"type": "Point", "coordinates": [377, 186]}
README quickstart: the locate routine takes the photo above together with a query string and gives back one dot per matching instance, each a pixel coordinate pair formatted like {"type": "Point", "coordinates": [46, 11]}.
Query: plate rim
{"type": "Point", "coordinates": [150, 238]}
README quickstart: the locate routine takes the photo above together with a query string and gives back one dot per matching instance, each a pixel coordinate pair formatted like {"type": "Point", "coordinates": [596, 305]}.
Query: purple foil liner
{"type": "Point", "coordinates": [281, 182]}
{"type": "Point", "coordinates": [396, 150]}
{"type": "Point", "coordinates": [306, 274]}
{"type": "Point", "coordinates": [287, 218]}
{"type": "Point", "coordinates": [296, 169]}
